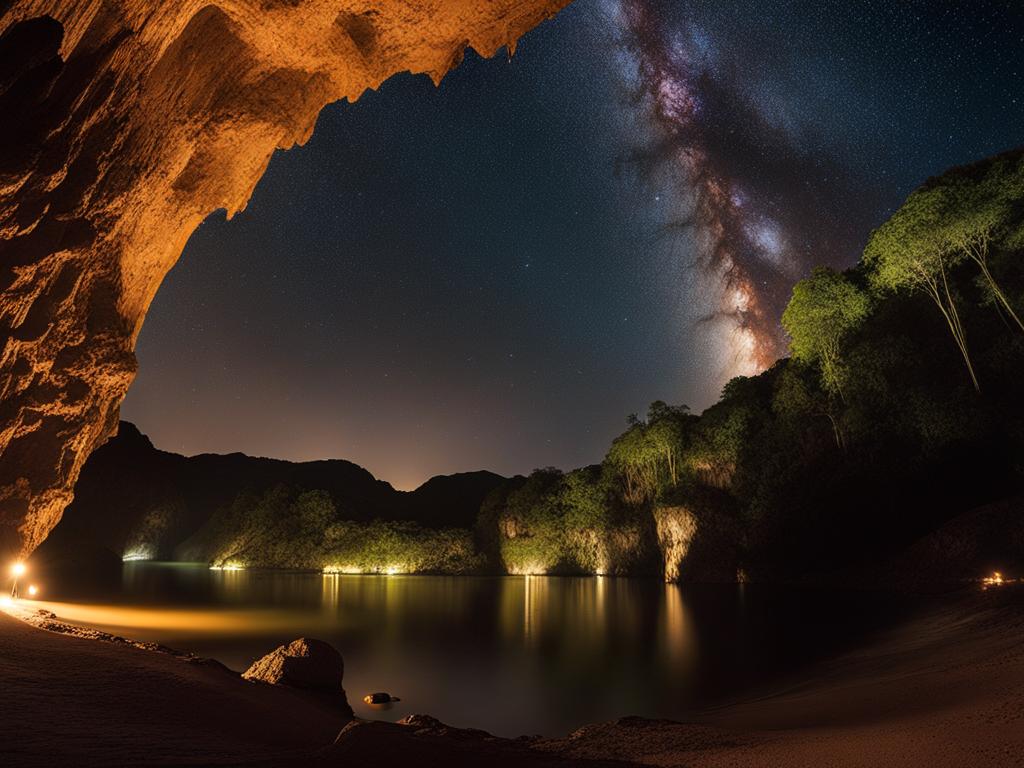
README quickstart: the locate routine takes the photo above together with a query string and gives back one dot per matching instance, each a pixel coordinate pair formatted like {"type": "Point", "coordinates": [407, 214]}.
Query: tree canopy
{"type": "Point", "coordinates": [824, 309]}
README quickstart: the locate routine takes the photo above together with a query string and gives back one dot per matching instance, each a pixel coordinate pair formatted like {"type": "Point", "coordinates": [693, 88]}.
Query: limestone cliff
{"type": "Point", "coordinates": [124, 124]}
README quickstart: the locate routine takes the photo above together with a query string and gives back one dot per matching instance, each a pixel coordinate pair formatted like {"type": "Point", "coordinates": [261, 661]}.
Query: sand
{"type": "Point", "coordinates": [944, 688]}
{"type": "Point", "coordinates": [70, 701]}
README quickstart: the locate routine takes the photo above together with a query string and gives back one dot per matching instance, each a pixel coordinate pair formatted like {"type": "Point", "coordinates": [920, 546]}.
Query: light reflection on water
{"type": "Point", "coordinates": [511, 655]}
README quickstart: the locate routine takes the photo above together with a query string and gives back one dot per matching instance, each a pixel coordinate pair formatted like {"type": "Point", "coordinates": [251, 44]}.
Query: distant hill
{"type": "Point", "coordinates": [134, 499]}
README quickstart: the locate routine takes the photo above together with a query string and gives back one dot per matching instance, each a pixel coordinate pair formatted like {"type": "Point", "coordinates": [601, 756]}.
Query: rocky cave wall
{"type": "Point", "coordinates": [122, 125]}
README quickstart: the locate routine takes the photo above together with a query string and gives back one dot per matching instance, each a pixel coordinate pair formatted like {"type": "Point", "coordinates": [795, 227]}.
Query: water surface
{"type": "Point", "coordinates": [514, 655]}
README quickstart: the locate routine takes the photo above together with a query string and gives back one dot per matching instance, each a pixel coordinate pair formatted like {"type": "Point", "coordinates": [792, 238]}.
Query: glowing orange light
{"type": "Point", "coordinates": [995, 580]}
{"type": "Point", "coordinates": [18, 569]}
{"type": "Point", "coordinates": [33, 590]}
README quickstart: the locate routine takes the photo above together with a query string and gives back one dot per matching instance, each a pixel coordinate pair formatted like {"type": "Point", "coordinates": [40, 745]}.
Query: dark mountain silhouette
{"type": "Point", "coordinates": [130, 491]}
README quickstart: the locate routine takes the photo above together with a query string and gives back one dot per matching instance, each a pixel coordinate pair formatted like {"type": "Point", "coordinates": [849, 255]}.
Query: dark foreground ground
{"type": "Point", "coordinates": [945, 688]}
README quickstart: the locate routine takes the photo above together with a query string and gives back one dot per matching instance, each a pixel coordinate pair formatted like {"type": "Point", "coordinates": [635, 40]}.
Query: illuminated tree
{"type": "Point", "coordinates": [824, 309]}
{"type": "Point", "coordinates": [909, 253]}
{"type": "Point", "coordinates": [955, 218]}
{"type": "Point", "coordinates": [588, 522]}
{"type": "Point", "coordinates": [648, 454]}
{"type": "Point", "coordinates": [977, 212]}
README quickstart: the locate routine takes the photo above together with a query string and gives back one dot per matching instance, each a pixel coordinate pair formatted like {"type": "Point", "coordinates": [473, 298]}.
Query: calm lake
{"type": "Point", "coordinates": [514, 655]}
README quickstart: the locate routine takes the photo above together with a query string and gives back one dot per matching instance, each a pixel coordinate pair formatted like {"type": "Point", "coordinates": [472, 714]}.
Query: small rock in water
{"type": "Point", "coordinates": [380, 698]}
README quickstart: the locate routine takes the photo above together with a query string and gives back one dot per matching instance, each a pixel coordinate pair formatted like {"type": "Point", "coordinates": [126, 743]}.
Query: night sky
{"type": "Point", "coordinates": [494, 273]}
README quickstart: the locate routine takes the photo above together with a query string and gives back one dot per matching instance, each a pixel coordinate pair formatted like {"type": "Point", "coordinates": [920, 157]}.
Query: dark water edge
{"type": "Point", "coordinates": [511, 655]}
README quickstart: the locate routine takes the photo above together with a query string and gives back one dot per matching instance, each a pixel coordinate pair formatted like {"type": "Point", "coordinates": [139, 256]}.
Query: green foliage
{"type": "Point", "coordinates": [532, 524]}
{"type": "Point", "coordinates": [722, 432]}
{"type": "Point", "coordinates": [313, 511]}
{"type": "Point", "coordinates": [825, 308]}
{"type": "Point", "coordinates": [585, 498]}
{"type": "Point", "coordinates": [283, 528]}
{"type": "Point", "coordinates": [398, 547]}
{"type": "Point", "coordinates": [953, 219]}
{"type": "Point", "coordinates": [566, 523]}
{"type": "Point", "coordinates": [647, 455]}
{"type": "Point", "coordinates": [909, 253]}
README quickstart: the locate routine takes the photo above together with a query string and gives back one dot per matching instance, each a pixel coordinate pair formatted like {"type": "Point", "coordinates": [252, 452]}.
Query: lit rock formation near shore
{"type": "Point", "coordinates": [125, 124]}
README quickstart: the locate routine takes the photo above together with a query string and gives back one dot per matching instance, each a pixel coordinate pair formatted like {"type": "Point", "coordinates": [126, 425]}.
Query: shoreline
{"type": "Point", "coordinates": [943, 688]}
{"type": "Point", "coordinates": [882, 579]}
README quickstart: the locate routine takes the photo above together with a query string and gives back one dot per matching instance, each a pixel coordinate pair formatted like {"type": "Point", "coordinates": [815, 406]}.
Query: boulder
{"type": "Point", "coordinates": [306, 664]}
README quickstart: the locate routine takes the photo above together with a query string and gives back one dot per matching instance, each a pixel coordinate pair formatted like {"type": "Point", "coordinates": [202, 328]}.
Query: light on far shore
{"type": "Point", "coordinates": [354, 570]}
{"type": "Point", "coordinates": [530, 569]}
{"type": "Point", "coordinates": [348, 570]}
{"type": "Point", "coordinates": [995, 580]}
{"type": "Point", "coordinates": [228, 567]}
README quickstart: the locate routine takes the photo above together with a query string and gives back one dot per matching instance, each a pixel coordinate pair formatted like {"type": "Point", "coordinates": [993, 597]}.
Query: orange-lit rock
{"type": "Point", "coordinates": [124, 124]}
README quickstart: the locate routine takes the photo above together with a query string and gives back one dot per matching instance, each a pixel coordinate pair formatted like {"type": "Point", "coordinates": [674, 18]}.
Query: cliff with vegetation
{"type": "Point", "coordinates": [897, 410]}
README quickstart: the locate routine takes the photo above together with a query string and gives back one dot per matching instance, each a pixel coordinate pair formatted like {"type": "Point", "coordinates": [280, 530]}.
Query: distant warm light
{"type": "Point", "coordinates": [18, 569]}
{"type": "Point", "coordinates": [228, 567]}
{"type": "Point", "coordinates": [530, 569]}
{"type": "Point", "coordinates": [33, 590]}
{"type": "Point", "coordinates": [995, 580]}
{"type": "Point", "coordinates": [334, 570]}
{"type": "Point", "coordinates": [135, 555]}
{"type": "Point", "coordinates": [354, 570]}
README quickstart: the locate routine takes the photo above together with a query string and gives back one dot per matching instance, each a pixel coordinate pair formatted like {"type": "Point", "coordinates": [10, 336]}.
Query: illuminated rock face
{"type": "Point", "coordinates": [676, 528]}
{"type": "Point", "coordinates": [698, 540]}
{"type": "Point", "coordinates": [124, 123]}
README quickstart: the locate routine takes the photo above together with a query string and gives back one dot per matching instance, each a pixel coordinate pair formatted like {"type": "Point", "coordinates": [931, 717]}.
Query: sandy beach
{"type": "Point", "coordinates": [944, 688]}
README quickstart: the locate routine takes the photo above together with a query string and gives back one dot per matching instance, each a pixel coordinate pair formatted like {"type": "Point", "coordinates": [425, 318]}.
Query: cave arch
{"type": "Point", "coordinates": [131, 122]}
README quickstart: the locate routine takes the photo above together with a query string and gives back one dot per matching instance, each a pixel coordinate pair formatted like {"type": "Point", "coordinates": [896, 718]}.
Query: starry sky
{"type": "Point", "coordinates": [495, 272]}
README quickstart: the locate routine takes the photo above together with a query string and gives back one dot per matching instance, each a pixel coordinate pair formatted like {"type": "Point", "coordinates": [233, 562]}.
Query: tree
{"type": "Point", "coordinates": [636, 460]}
{"type": "Point", "coordinates": [796, 396]}
{"type": "Point", "coordinates": [721, 433]}
{"type": "Point", "coordinates": [531, 526]}
{"type": "Point", "coordinates": [824, 309]}
{"type": "Point", "coordinates": [584, 497]}
{"type": "Point", "coordinates": [952, 219]}
{"type": "Point", "coordinates": [975, 212]}
{"type": "Point", "coordinates": [908, 252]}
{"type": "Point", "coordinates": [648, 453]}
{"type": "Point", "coordinates": [314, 511]}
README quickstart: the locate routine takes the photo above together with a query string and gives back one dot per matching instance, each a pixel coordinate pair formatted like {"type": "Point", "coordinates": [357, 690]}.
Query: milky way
{"type": "Point", "coordinates": [495, 272]}
{"type": "Point", "coordinates": [758, 208]}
